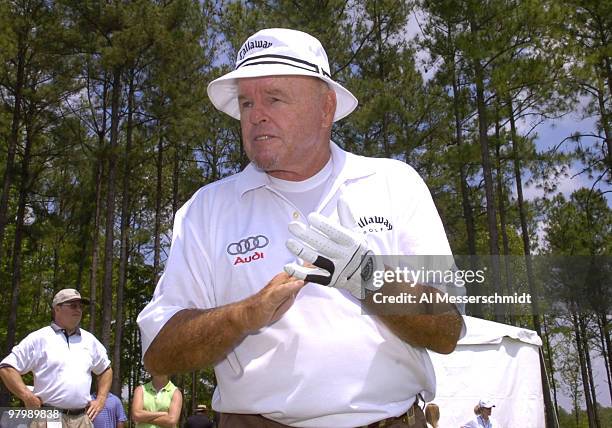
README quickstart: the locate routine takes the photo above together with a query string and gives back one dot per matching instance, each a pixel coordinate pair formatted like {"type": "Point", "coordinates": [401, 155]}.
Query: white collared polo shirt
{"type": "Point", "coordinates": [323, 364]}
{"type": "Point", "coordinates": [61, 365]}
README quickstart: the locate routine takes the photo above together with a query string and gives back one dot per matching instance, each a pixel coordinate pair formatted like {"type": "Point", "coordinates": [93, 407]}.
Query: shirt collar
{"type": "Point", "coordinates": [164, 388]}
{"type": "Point", "coordinates": [483, 422]}
{"type": "Point", "coordinates": [252, 178]}
{"type": "Point", "coordinates": [56, 328]}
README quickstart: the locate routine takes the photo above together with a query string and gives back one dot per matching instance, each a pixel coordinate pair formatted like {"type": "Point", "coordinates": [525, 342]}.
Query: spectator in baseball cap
{"type": "Point", "coordinates": [62, 374]}
{"type": "Point", "coordinates": [483, 418]}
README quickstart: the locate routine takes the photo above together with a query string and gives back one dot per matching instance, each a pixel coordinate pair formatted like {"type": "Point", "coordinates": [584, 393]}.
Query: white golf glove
{"type": "Point", "coordinates": [339, 252]}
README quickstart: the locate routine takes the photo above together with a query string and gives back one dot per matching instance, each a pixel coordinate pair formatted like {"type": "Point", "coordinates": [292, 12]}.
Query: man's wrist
{"type": "Point", "coordinates": [240, 317]}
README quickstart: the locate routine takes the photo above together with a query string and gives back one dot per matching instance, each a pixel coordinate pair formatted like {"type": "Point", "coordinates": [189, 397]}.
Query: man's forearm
{"type": "Point", "coordinates": [436, 332]}
{"type": "Point", "coordinates": [433, 326]}
{"type": "Point", "coordinates": [195, 338]}
{"type": "Point", "coordinates": [13, 382]}
{"type": "Point", "coordinates": [105, 381]}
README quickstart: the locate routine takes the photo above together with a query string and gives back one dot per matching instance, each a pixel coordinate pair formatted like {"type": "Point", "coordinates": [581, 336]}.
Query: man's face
{"type": "Point", "coordinates": [286, 123]}
{"type": "Point", "coordinates": [68, 314]}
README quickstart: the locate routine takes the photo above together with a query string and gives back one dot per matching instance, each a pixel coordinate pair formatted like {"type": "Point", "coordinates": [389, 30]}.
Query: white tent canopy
{"type": "Point", "coordinates": [495, 361]}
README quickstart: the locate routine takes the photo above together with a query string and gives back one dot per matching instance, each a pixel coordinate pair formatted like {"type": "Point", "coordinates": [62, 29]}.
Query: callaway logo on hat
{"type": "Point", "coordinates": [67, 295]}
{"type": "Point", "coordinates": [278, 52]}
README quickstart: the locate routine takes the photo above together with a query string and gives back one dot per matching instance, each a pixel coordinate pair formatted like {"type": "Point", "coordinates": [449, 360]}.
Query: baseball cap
{"type": "Point", "coordinates": [67, 295]}
{"type": "Point", "coordinates": [487, 403]}
{"type": "Point", "coordinates": [278, 52]}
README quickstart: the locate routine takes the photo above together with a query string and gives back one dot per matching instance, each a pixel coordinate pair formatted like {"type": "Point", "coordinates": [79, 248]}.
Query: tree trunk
{"type": "Point", "coordinates": [107, 290]}
{"type": "Point", "coordinates": [468, 215]}
{"type": "Point", "coordinates": [605, 348]}
{"type": "Point", "coordinates": [501, 199]}
{"type": "Point", "coordinates": [13, 141]}
{"type": "Point", "coordinates": [587, 358]}
{"type": "Point", "coordinates": [124, 251]}
{"type": "Point", "coordinates": [378, 25]}
{"type": "Point", "coordinates": [551, 366]}
{"type": "Point", "coordinates": [608, 71]}
{"type": "Point", "coordinates": [158, 208]}
{"type": "Point", "coordinates": [19, 231]}
{"type": "Point", "coordinates": [535, 306]}
{"type": "Point", "coordinates": [465, 194]}
{"type": "Point", "coordinates": [176, 172]}
{"type": "Point", "coordinates": [605, 123]}
{"type": "Point", "coordinates": [194, 391]}
{"type": "Point", "coordinates": [483, 137]}
{"type": "Point", "coordinates": [583, 369]}
{"type": "Point", "coordinates": [95, 253]}
{"type": "Point", "coordinates": [98, 173]}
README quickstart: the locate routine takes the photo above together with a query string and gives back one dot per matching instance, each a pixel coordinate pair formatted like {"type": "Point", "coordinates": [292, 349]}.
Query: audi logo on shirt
{"type": "Point", "coordinates": [246, 245]}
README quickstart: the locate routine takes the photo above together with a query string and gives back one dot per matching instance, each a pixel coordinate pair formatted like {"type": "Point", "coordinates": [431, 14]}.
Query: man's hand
{"type": "Point", "coordinates": [31, 401]}
{"type": "Point", "coordinates": [271, 302]}
{"type": "Point", "coordinates": [198, 338]}
{"type": "Point", "coordinates": [104, 380]}
{"type": "Point", "coordinates": [339, 252]}
{"type": "Point", "coordinates": [14, 383]}
{"type": "Point", "coordinates": [95, 407]}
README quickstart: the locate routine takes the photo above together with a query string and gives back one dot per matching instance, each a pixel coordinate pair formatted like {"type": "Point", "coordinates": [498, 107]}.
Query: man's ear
{"type": "Point", "coordinates": [329, 108]}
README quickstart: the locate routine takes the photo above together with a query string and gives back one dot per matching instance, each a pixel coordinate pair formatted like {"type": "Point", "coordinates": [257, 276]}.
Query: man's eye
{"type": "Point", "coordinates": [246, 104]}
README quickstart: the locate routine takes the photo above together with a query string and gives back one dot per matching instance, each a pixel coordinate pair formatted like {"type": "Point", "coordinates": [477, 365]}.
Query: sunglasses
{"type": "Point", "coordinates": [73, 305]}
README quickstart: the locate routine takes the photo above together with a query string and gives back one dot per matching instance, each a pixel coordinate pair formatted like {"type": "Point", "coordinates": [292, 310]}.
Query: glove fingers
{"type": "Point", "coordinates": [345, 214]}
{"type": "Point", "coordinates": [309, 274]}
{"type": "Point", "coordinates": [308, 255]}
{"type": "Point", "coordinates": [336, 233]}
{"type": "Point", "coordinates": [314, 239]}
{"type": "Point", "coordinates": [301, 251]}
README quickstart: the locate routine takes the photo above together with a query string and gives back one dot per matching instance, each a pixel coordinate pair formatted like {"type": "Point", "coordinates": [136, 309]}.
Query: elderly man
{"type": "Point", "coordinates": [62, 357]}
{"type": "Point", "coordinates": [295, 348]}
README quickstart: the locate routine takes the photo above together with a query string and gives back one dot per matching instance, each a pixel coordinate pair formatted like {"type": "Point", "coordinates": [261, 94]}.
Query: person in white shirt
{"type": "Point", "coordinates": [62, 358]}
{"type": "Point", "coordinates": [295, 348]}
{"type": "Point", "coordinates": [483, 418]}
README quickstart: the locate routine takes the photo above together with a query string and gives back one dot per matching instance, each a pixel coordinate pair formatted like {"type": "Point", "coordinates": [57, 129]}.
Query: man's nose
{"type": "Point", "coordinates": [258, 115]}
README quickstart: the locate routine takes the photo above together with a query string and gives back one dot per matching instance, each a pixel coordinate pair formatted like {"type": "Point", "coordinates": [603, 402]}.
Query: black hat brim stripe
{"type": "Point", "coordinates": [280, 62]}
{"type": "Point", "coordinates": [288, 60]}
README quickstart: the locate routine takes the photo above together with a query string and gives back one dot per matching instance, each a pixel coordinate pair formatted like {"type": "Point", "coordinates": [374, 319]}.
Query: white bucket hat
{"type": "Point", "coordinates": [278, 52]}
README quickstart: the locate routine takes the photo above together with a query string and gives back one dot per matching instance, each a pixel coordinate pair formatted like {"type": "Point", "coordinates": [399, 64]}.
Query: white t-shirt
{"type": "Point", "coordinates": [323, 363]}
{"type": "Point", "coordinates": [479, 422]}
{"type": "Point", "coordinates": [61, 365]}
{"type": "Point", "coordinates": [305, 195]}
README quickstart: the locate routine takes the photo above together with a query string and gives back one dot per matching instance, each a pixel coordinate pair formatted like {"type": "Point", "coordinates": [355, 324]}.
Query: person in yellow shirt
{"type": "Point", "coordinates": [157, 404]}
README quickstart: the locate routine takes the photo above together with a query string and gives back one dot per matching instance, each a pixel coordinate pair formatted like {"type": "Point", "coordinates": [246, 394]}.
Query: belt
{"type": "Point", "coordinates": [73, 412]}
{"type": "Point", "coordinates": [408, 418]}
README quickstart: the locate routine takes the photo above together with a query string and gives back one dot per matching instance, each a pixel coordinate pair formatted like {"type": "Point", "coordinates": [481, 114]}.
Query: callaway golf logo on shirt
{"type": "Point", "coordinates": [245, 249]}
{"type": "Point", "coordinates": [374, 224]}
